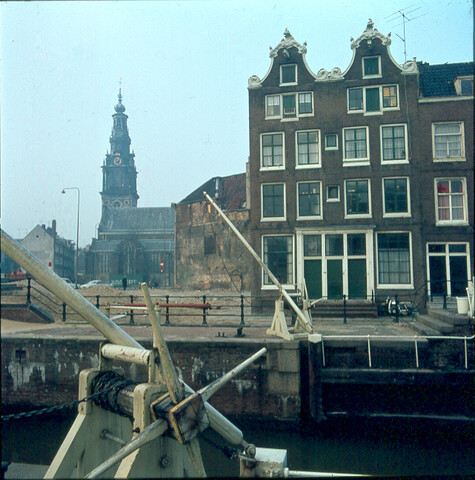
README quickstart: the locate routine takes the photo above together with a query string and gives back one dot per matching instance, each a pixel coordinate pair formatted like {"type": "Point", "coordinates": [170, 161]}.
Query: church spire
{"type": "Point", "coordinates": [119, 182]}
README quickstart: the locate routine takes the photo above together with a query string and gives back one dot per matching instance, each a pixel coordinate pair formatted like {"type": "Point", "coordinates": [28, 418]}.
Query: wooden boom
{"type": "Point", "coordinates": [304, 321]}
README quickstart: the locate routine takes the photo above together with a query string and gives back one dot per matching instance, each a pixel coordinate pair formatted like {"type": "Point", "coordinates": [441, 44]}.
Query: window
{"type": "Point", "coordinates": [308, 148]}
{"type": "Point", "coordinates": [393, 144]}
{"type": "Point", "coordinates": [305, 103]}
{"type": "Point", "coordinates": [451, 201]}
{"type": "Point", "coordinates": [273, 106]}
{"type": "Point", "coordinates": [464, 85]}
{"type": "Point", "coordinates": [288, 104]}
{"type": "Point", "coordinates": [288, 74]}
{"type": "Point", "coordinates": [278, 256]}
{"type": "Point", "coordinates": [396, 197]}
{"type": "Point", "coordinates": [371, 67]}
{"type": "Point", "coordinates": [357, 197]}
{"type": "Point", "coordinates": [394, 259]}
{"type": "Point", "coordinates": [448, 141]}
{"type": "Point", "coordinates": [374, 99]}
{"type": "Point", "coordinates": [331, 141]}
{"type": "Point", "coordinates": [294, 105]}
{"type": "Point", "coordinates": [272, 150]}
{"type": "Point", "coordinates": [312, 245]}
{"type": "Point", "coordinates": [104, 263]}
{"type": "Point", "coordinates": [333, 193]}
{"type": "Point", "coordinates": [355, 99]}
{"type": "Point", "coordinates": [355, 144]}
{"type": "Point", "coordinates": [309, 195]}
{"type": "Point", "coordinates": [209, 245]}
{"type": "Point", "coordinates": [390, 96]}
{"type": "Point", "coordinates": [273, 201]}
{"type": "Point", "coordinates": [333, 245]}
{"type": "Point", "coordinates": [356, 243]}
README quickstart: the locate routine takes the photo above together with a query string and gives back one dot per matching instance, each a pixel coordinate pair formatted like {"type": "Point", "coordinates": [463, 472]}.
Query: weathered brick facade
{"type": "Point", "coordinates": [361, 180]}
{"type": "Point", "coordinates": [208, 253]}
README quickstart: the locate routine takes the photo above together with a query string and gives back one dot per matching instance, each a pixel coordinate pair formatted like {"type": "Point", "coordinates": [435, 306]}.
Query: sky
{"type": "Point", "coordinates": [183, 67]}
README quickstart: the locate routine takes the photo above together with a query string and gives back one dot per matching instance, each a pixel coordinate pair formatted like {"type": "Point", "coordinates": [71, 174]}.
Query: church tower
{"type": "Point", "coordinates": [119, 175]}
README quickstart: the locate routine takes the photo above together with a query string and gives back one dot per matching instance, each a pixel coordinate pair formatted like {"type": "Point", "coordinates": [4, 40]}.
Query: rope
{"type": "Point", "coordinates": [96, 395]}
{"type": "Point", "coordinates": [230, 452]}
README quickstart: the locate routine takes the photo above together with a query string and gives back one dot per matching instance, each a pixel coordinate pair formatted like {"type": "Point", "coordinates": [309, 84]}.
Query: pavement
{"type": "Point", "coordinates": [254, 329]}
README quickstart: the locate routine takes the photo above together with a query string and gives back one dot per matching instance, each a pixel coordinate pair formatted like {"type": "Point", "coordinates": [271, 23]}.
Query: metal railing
{"type": "Point", "coordinates": [229, 307]}
{"type": "Point", "coordinates": [415, 339]}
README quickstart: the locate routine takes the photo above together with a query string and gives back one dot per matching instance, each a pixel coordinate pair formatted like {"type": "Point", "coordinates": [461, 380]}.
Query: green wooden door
{"type": "Point", "coordinates": [357, 278]}
{"type": "Point", "coordinates": [438, 276]}
{"type": "Point", "coordinates": [313, 278]}
{"type": "Point", "coordinates": [335, 278]}
{"type": "Point", "coordinates": [458, 276]}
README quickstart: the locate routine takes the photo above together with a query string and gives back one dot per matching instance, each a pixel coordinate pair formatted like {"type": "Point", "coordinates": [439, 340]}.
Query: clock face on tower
{"type": "Point", "coordinates": [117, 160]}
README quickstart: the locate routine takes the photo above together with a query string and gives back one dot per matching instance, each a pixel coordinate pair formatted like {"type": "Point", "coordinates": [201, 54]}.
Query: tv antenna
{"type": "Point", "coordinates": [407, 15]}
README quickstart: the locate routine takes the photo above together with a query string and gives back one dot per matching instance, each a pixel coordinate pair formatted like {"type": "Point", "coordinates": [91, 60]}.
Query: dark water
{"type": "Point", "coordinates": [383, 448]}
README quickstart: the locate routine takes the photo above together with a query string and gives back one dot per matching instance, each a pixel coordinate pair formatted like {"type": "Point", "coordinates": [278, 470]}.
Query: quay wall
{"type": "Point", "coordinates": [289, 383]}
{"type": "Point", "coordinates": [39, 372]}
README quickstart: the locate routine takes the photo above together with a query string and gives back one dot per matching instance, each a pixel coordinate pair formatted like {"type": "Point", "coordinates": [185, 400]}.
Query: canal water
{"type": "Point", "coordinates": [377, 447]}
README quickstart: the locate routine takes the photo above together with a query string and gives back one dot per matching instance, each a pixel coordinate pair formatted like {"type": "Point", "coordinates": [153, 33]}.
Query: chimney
{"type": "Point", "coordinates": [53, 227]}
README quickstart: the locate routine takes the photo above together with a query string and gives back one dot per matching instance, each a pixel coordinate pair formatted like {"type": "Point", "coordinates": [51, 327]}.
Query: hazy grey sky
{"type": "Point", "coordinates": [184, 68]}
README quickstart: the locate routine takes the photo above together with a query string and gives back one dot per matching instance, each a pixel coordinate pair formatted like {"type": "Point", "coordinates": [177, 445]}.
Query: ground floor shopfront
{"type": "Point", "coordinates": [360, 263]}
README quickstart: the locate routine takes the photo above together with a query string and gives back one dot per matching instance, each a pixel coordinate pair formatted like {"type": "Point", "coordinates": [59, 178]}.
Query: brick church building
{"type": "Point", "coordinates": [131, 241]}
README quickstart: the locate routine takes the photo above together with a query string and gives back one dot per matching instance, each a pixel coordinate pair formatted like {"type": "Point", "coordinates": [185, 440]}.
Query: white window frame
{"type": "Point", "coordinates": [289, 286]}
{"type": "Point", "coordinates": [458, 84]}
{"type": "Point", "coordinates": [297, 112]}
{"type": "Point", "coordinates": [446, 254]}
{"type": "Point", "coordinates": [333, 199]}
{"type": "Point", "coordinates": [406, 145]}
{"type": "Point", "coordinates": [381, 108]}
{"type": "Point", "coordinates": [355, 161]}
{"type": "Point", "coordinates": [331, 148]}
{"type": "Point", "coordinates": [281, 83]}
{"type": "Point", "coordinates": [280, 106]}
{"type": "Point", "coordinates": [462, 143]}
{"type": "Point", "coordinates": [349, 216]}
{"type": "Point", "coordinates": [273, 219]}
{"type": "Point", "coordinates": [279, 167]}
{"type": "Point", "coordinates": [408, 199]}
{"type": "Point", "coordinates": [464, 221]}
{"type": "Point", "coordinates": [310, 165]}
{"type": "Point", "coordinates": [377, 75]}
{"type": "Point", "coordinates": [310, 217]}
{"type": "Point", "coordinates": [398, 286]}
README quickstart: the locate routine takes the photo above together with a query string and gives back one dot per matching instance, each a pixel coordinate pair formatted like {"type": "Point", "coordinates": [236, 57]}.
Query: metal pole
{"type": "Point", "coordinates": [28, 291]}
{"type": "Point", "coordinates": [304, 321]}
{"type": "Point", "coordinates": [344, 308]}
{"type": "Point", "coordinates": [204, 311]}
{"type": "Point", "coordinates": [77, 236]}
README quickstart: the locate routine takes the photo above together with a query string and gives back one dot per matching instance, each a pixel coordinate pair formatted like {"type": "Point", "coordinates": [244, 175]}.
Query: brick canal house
{"type": "Point", "coordinates": [361, 180]}
{"type": "Point", "coordinates": [136, 242]}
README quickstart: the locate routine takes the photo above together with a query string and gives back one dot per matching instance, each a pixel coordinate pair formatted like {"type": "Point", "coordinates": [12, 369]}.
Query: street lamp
{"type": "Point", "coordinates": [77, 235]}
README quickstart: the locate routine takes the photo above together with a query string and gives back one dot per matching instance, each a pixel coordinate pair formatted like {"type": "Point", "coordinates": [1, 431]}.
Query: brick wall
{"type": "Point", "coordinates": [41, 372]}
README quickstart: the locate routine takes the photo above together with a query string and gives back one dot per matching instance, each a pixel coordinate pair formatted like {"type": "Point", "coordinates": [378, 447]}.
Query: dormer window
{"type": "Point", "coordinates": [371, 67]}
{"type": "Point", "coordinates": [288, 74]}
{"type": "Point", "coordinates": [464, 85]}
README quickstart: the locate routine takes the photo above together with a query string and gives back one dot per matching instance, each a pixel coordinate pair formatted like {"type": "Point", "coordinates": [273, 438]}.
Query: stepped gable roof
{"type": "Point", "coordinates": [138, 220]}
{"type": "Point", "coordinates": [229, 192]}
{"type": "Point", "coordinates": [438, 80]}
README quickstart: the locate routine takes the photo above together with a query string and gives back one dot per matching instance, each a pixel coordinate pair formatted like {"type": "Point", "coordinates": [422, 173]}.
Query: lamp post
{"type": "Point", "coordinates": [77, 235]}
